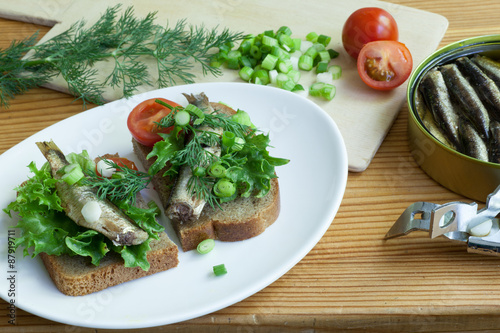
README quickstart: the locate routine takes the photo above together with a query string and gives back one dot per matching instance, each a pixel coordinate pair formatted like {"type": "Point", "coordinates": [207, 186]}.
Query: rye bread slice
{"type": "Point", "coordinates": [77, 276]}
{"type": "Point", "coordinates": [238, 220]}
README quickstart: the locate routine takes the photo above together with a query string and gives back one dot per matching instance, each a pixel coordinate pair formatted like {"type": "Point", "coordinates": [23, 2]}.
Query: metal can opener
{"type": "Point", "coordinates": [458, 221]}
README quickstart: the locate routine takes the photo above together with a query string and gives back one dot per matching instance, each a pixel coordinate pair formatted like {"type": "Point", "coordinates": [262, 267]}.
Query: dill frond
{"type": "Point", "coordinates": [126, 41]}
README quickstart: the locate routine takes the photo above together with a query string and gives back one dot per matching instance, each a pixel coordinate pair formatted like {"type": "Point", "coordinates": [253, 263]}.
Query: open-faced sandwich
{"type": "Point", "coordinates": [211, 168]}
{"type": "Point", "coordinates": [89, 224]}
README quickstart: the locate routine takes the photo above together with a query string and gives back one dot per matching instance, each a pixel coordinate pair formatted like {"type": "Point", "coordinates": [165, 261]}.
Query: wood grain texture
{"type": "Point", "coordinates": [352, 94]}
{"type": "Point", "coordinates": [353, 280]}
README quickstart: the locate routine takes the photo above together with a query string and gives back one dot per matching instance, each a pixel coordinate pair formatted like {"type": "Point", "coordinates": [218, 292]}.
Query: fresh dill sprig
{"type": "Point", "coordinates": [124, 187]}
{"type": "Point", "coordinates": [126, 41]}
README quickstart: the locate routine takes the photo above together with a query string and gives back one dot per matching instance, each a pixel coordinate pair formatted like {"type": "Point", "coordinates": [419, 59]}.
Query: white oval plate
{"type": "Point", "coordinates": [312, 186]}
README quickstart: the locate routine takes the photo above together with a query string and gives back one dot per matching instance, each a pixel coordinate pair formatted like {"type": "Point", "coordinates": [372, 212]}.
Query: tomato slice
{"type": "Point", "coordinates": [141, 121]}
{"type": "Point", "coordinates": [384, 65]}
{"type": "Point", "coordinates": [366, 25]}
{"type": "Point", "coordinates": [121, 161]}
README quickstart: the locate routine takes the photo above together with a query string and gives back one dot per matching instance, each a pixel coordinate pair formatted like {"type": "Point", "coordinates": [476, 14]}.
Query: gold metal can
{"type": "Point", "coordinates": [460, 173]}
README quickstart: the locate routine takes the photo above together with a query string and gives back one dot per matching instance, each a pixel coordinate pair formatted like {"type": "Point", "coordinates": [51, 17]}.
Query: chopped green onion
{"type": "Point", "coordinates": [273, 74]}
{"type": "Point", "coordinates": [269, 62]}
{"type": "Point", "coordinates": [199, 171]}
{"type": "Point", "coordinates": [305, 62]}
{"type": "Point", "coordinates": [261, 75]}
{"type": "Point", "coordinates": [245, 46]}
{"type": "Point", "coordinates": [315, 88]}
{"type": "Point", "coordinates": [269, 41]}
{"type": "Point", "coordinates": [228, 138]}
{"type": "Point", "coordinates": [265, 49]}
{"type": "Point", "coordinates": [246, 61]}
{"type": "Point", "coordinates": [118, 175]}
{"type": "Point", "coordinates": [312, 37]}
{"type": "Point", "coordinates": [194, 110]}
{"type": "Point", "coordinates": [182, 118]}
{"type": "Point", "coordinates": [328, 91]}
{"type": "Point", "coordinates": [325, 77]}
{"type": "Point", "coordinates": [324, 56]}
{"type": "Point", "coordinates": [217, 170]}
{"type": "Point", "coordinates": [233, 59]}
{"type": "Point", "coordinates": [283, 81]}
{"type": "Point", "coordinates": [285, 40]}
{"type": "Point", "coordinates": [296, 43]}
{"type": "Point", "coordinates": [245, 73]}
{"type": "Point", "coordinates": [224, 188]}
{"type": "Point", "coordinates": [205, 246]}
{"type": "Point", "coordinates": [322, 67]}
{"type": "Point", "coordinates": [72, 174]}
{"type": "Point", "coordinates": [312, 52]}
{"type": "Point", "coordinates": [333, 54]}
{"type": "Point", "coordinates": [285, 30]}
{"type": "Point", "coordinates": [220, 270]}
{"type": "Point", "coordinates": [319, 47]}
{"type": "Point", "coordinates": [255, 52]}
{"type": "Point", "coordinates": [238, 144]}
{"type": "Point", "coordinates": [336, 71]}
{"type": "Point", "coordinates": [325, 40]}
{"type": "Point", "coordinates": [279, 52]}
{"type": "Point", "coordinates": [268, 33]}
{"type": "Point", "coordinates": [294, 75]}
{"type": "Point", "coordinates": [242, 117]}
{"type": "Point", "coordinates": [288, 85]}
{"type": "Point", "coordinates": [285, 65]}
{"type": "Point", "coordinates": [298, 87]}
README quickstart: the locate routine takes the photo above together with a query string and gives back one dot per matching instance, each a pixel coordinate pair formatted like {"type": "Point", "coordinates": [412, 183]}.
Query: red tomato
{"type": "Point", "coordinates": [141, 121]}
{"type": "Point", "coordinates": [367, 25]}
{"type": "Point", "coordinates": [121, 161]}
{"type": "Point", "coordinates": [385, 64]}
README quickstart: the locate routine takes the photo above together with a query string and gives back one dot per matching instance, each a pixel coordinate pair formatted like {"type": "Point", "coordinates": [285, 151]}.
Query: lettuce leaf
{"type": "Point", "coordinates": [46, 228]}
{"type": "Point", "coordinates": [253, 176]}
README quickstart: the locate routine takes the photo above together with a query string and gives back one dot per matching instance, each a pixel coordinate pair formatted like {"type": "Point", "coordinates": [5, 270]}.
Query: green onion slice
{"type": "Point", "coordinates": [199, 171]}
{"type": "Point", "coordinates": [220, 270]}
{"type": "Point", "coordinates": [194, 110]}
{"type": "Point", "coordinates": [72, 174]}
{"type": "Point", "coordinates": [217, 170]}
{"type": "Point", "coordinates": [336, 71]}
{"type": "Point", "coordinates": [182, 118]}
{"type": "Point", "coordinates": [205, 246]}
{"type": "Point", "coordinates": [245, 73]}
{"type": "Point", "coordinates": [228, 138]}
{"type": "Point", "coordinates": [224, 188]}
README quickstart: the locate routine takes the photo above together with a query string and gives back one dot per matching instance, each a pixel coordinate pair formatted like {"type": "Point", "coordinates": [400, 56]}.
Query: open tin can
{"type": "Point", "coordinates": [458, 172]}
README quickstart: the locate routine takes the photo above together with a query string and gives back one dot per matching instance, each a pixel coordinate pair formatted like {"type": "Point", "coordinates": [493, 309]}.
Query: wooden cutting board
{"type": "Point", "coordinates": [364, 116]}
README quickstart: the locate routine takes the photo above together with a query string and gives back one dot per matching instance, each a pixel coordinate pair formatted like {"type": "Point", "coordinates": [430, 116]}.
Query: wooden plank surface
{"type": "Point", "coordinates": [352, 281]}
{"type": "Point", "coordinates": [363, 128]}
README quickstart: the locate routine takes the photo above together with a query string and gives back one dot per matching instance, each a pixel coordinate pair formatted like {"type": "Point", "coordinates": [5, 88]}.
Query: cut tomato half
{"type": "Point", "coordinates": [384, 65]}
{"type": "Point", "coordinates": [142, 121]}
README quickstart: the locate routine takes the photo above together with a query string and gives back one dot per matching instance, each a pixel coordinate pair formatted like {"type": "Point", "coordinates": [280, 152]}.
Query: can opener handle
{"type": "Point", "coordinates": [453, 220]}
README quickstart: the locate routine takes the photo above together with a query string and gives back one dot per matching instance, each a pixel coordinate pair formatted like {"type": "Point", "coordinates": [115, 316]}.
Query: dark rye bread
{"type": "Point", "coordinates": [238, 220]}
{"type": "Point", "coordinates": [77, 276]}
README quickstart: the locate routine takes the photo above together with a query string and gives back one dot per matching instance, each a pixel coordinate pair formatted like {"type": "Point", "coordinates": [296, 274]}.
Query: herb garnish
{"type": "Point", "coordinates": [125, 41]}
{"type": "Point", "coordinates": [124, 185]}
{"type": "Point", "coordinates": [244, 164]}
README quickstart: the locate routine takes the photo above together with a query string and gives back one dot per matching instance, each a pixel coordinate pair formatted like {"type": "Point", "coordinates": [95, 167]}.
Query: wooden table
{"type": "Point", "coordinates": [352, 280]}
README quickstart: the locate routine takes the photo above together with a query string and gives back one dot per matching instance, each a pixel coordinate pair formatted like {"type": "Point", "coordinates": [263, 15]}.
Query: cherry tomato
{"type": "Point", "coordinates": [121, 161]}
{"type": "Point", "coordinates": [385, 64]}
{"type": "Point", "coordinates": [367, 25]}
{"type": "Point", "coordinates": [141, 121]}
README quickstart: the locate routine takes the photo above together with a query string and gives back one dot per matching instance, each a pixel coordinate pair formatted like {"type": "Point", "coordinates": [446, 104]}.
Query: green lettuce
{"type": "Point", "coordinates": [45, 227]}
